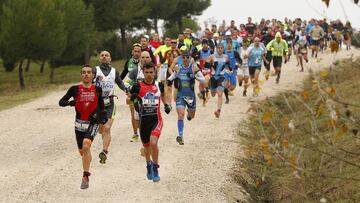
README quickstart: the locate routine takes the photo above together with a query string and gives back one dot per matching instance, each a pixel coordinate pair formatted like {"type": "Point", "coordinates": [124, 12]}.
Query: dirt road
{"type": "Point", "coordinates": [40, 163]}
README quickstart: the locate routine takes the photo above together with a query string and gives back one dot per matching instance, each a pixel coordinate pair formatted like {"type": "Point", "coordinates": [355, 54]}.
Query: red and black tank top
{"type": "Point", "coordinates": [86, 101]}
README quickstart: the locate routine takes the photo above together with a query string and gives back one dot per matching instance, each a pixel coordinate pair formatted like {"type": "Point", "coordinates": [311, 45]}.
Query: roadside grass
{"type": "Point", "coordinates": [303, 146]}
{"type": "Point", "coordinates": [38, 84]}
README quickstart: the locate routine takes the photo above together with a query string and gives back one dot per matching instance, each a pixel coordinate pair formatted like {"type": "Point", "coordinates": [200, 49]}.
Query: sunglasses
{"type": "Point", "coordinates": [185, 57]}
{"type": "Point", "coordinates": [173, 42]}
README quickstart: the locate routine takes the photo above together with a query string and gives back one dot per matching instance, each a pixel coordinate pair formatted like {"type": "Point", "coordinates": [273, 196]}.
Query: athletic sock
{"type": "Point", "coordinates": [180, 127]}
{"type": "Point", "coordinates": [226, 92]}
{"type": "Point", "coordinates": [105, 151]}
{"type": "Point", "coordinates": [86, 174]}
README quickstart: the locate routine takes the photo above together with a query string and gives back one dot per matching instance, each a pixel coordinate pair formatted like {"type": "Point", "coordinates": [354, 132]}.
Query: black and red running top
{"type": "Point", "coordinates": [87, 102]}
{"type": "Point", "coordinates": [149, 98]}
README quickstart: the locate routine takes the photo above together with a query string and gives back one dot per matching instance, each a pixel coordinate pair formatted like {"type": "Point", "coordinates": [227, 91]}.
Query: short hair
{"type": "Point", "coordinates": [148, 65]}
{"type": "Point", "coordinates": [87, 66]}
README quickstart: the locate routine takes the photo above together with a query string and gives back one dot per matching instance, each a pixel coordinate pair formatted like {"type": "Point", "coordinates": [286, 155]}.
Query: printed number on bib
{"type": "Point", "coordinates": [81, 125]}
{"type": "Point", "coordinates": [150, 99]}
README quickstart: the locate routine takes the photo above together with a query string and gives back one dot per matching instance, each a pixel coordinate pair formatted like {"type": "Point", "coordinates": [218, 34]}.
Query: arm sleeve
{"type": "Point", "coordinates": [134, 91]}
{"type": "Point", "coordinates": [269, 46]}
{"type": "Point", "coordinates": [237, 57]}
{"type": "Point", "coordinates": [161, 88]}
{"type": "Point", "coordinates": [100, 99]}
{"type": "Point", "coordinates": [172, 76]}
{"type": "Point", "coordinates": [125, 70]}
{"type": "Point", "coordinates": [64, 101]}
{"type": "Point", "coordinates": [119, 81]}
{"type": "Point", "coordinates": [199, 76]}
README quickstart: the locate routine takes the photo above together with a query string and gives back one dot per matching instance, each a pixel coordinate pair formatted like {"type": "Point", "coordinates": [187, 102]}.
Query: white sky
{"type": "Point", "coordinates": [239, 10]}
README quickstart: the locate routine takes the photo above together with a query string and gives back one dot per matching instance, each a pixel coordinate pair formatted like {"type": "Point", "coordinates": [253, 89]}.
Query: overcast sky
{"type": "Point", "coordinates": [239, 10]}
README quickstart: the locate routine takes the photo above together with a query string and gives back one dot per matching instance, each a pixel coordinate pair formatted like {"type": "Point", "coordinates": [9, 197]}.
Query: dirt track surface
{"type": "Point", "coordinates": [40, 162]}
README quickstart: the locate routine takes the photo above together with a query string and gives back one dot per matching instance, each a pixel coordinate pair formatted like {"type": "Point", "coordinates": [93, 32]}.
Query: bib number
{"type": "Point", "coordinates": [81, 125]}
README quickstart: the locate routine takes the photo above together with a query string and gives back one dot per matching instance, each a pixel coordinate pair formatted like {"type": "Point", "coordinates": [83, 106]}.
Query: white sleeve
{"type": "Point", "coordinates": [200, 77]}
{"type": "Point", "coordinates": [172, 76]}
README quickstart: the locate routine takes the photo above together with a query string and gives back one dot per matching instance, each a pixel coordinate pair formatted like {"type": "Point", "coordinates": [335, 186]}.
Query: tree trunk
{"type": "Point", "coordinates": [52, 74]}
{"type": "Point", "coordinates": [156, 28]}
{"type": "Point", "coordinates": [27, 65]}
{"type": "Point", "coordinates": [21, 76]}
{"type": "Point", "coordinates": [87, 54]}
{"type": "Point", "coordinates": [123, 42]}
{"type": "Point", "coordinates": [180, 25]}
{"type": "Point", "coordinates": [42, 66]}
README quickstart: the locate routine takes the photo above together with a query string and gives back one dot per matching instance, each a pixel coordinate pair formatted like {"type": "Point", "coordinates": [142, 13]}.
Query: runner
{"type": "Point", "coordinates": [105, 77]}
{"type": "Point", "coordinates": [205, 53]}
{"type": "Point", "coordinates": [230, 77]}
{"type": "Point", "coordinates": [144, 41]}
{"type": "Point", "coordinates": [130, 65]}
{"type": "Point", "coordinates": [278, 48]}
{"type": "Point", "coordinates": [243, 71]}
{"type": "Point", "coordinates": [255, 56]}
{"type": "Point", "coordinates": [301, 47]}
{"type": "Point", "coordinates": [316, 34]}
{"type": "Point", "coordinates": [146, 95]}
{"type": "Point", "coordinates": [267, 38]}
{"type": "Point", "coordinates": [155, 42]}
{"type": "Point", "coordinates": [89, 107]}
{"type": "Point", "coordinates": [219, 62]}
{"type": "Point", "coordinates": [160, 51]}
{"type": "Point", "coordinates": [185, 73]}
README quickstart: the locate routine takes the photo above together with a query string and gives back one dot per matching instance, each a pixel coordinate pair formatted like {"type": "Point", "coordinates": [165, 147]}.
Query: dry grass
{"type": "Point", "coordinates": [304, 146]}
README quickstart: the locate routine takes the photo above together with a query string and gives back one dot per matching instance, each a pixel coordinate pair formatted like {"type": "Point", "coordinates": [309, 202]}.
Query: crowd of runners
{"type": "Point", "coordinates": [221, 58]}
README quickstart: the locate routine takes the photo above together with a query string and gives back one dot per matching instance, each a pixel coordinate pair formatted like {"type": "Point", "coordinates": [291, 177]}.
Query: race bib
{"type": "Point", "coordinates": [81, 125]}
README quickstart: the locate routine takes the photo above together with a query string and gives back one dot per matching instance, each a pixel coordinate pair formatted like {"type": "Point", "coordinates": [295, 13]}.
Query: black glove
{"type": "Point", "coordinates": [190, 75]}
{"type": "Point", "coordinates": [103, 117]}
{"type": "Point", "coordinates": [167, 108]}
{"type": "Point", "coordinates": [71, 103]}
{"type": "Point", "coordinates": [127, 89]}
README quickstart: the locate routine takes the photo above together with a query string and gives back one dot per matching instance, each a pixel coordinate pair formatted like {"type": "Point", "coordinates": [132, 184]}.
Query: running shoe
{"type": "Point", "coordinates": [149, 170]}
{"type": "Point", "coordinates": [226, 100]}
{"type": "Point", "coordinates": [85, 182]}
{"type": "Point", "coordinates": [102, 157]}
{"type": "Point", "coordinates": [180, 140]}
{"type": "Point", "coordinates": [134, 138]}
{"type": "Point", "coordinates": [156, 177]}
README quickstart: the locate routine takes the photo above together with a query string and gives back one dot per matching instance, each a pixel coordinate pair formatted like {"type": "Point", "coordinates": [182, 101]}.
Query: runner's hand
{"type": "Point", "coordinates": [167, 108]}
{"type": "Point", "coordinates": [71, 103]}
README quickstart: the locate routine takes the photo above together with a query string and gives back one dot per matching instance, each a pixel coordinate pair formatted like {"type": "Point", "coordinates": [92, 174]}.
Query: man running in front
{"type": "Point", "coordinates": [89, 107]}
{"type": "Point", "coordinates": [146, 96]}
